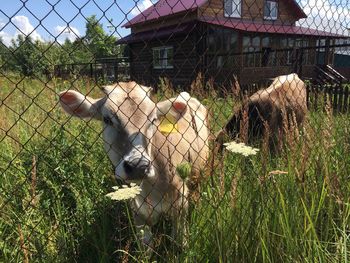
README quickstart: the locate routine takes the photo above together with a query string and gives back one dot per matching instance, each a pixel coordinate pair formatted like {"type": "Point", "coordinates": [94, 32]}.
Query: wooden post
{"type": "Point", "coordinates": [308, 90]}
{"type": "Point", "coordinates": [330, 92]}
{"type": "Point", "coordinates": [340, 98]}
{"type": "Point", "coordinates": [326, 54]}
{"type": "Point", "coordinates": [346, 98]}
{"type": "Point", "coordinates": [326, 93]}
{"type": "Point", "coordinates": [315, 92]}
{"type": "Point", "coordinates": [116, 70]}
{"type": "Point", "coordinates": [96, 78]}
{"type": "Point", "coordinates": [298, 61]}
{"type": "Point", "coordinates": [335, 97]}
{"type": "Point", "coordinates": [240, 48]}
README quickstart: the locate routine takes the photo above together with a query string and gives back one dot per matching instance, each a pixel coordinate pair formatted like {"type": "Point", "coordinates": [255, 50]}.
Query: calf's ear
{"type": "Point", "coordinates": [78, 105]}
{"type": "Point", "coordinates": [174, 106]}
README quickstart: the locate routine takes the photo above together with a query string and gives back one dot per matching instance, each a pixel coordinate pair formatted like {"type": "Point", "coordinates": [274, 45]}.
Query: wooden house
{"type": "Point", "coordinates": [253, 39]}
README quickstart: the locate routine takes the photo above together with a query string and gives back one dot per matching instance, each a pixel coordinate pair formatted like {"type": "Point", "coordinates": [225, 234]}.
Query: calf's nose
{"type": "Point", "coordinates": [137, 168]}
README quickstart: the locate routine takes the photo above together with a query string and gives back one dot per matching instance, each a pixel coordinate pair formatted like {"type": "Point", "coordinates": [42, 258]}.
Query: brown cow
{"type": "Point", "coordinates": [284, 97]}
{"type": "Point", "coordinates": [143, 149]}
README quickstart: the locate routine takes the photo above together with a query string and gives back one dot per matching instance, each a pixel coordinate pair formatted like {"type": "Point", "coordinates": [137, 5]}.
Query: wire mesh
{"type": "Point", "coordinates": [160, 100]}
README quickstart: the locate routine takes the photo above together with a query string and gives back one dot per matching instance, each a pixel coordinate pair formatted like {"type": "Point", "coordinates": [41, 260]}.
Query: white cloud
{"type": "Point", "coordinates": [324, 16]}
{"type": "Point", "coordinates": [64, 32]}
{"type": "Point", "coordinates": [141, 6]}
{"type": "Point", "coordinates": [6, 38]}
{"type": "Point", "coordinates": [22, 27]}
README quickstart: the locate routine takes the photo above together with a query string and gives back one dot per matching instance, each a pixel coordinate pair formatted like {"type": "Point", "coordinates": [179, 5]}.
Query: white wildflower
{"type": "Point", "coordinates": [125, 192]}
{"type": "Point", "coordinates": [240, 148]}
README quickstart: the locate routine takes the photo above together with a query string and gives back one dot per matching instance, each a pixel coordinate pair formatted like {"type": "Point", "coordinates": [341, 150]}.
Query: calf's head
{"type": "Point", "coordinates": [130, 120]}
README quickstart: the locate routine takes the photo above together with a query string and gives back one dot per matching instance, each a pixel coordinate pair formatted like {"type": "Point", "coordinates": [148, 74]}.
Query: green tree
{"type": "Point", "coordinates": [4, 54]}
{"type": "Point", "coordinates": [80, 52]}
{"type": "Point", "coordinates": [29, 57]}
{"type": "Point", "coordinates": [26, 56]}
{"type": "Point", "coordinates": [100, 43]}
{"type": "Point", "coordinates": [53, 54]}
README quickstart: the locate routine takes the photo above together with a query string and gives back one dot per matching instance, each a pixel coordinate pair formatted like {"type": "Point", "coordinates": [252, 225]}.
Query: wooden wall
{"type": "Point", "coordinates": [186, 61]}
{"type": "Point", "coordinates": [251, 10]}
{"type": "Point", "coordinates": [191, 57]}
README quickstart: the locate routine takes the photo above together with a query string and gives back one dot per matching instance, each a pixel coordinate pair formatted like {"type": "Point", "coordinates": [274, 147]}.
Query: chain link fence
{"type": "Point", "coordinates": [174, 131]}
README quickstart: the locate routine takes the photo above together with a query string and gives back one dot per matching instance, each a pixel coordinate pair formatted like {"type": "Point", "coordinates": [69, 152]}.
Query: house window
{"type": "Point", "coordinates": [266, 51]}
{"type": "Point", "coordinates": [302, 45]}
{"type": "Point", "coordinates": [223, 41]}
{"type": "Point", "coordinates": [222, 44]}
{"type": "Point", "coordinates": [163, 57]}
{"type": "Point", "coordinates": [233, 8]}
{"type": "Point", "coordinates": [291, 51]}
{"type": "Point", "coordinates": [251, 51]}
{"type": "Point", "coordinates": [270, 10]}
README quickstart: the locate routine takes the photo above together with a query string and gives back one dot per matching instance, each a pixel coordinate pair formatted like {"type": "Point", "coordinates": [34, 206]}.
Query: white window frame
{"type": "Point", "coordinates": [164, 62]}
{"type": "Point", "coordinates": [236, 8]}
{"type": "Point", "coordinates": [272, 5]}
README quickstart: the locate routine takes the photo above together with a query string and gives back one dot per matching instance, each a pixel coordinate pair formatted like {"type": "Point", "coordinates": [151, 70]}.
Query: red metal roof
{"type": "Point", "coordinates": [156, 34]}
{"type": "Point", "coordinates": [246, 26]}
{"type": "Point", "coordinates": [164, 8]}
{"type": "Point", "coordinates": [255, 27]}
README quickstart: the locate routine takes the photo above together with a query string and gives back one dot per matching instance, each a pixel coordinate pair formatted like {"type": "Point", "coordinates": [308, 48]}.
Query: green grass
{"type": "Point", "coordinates": [57, 212]}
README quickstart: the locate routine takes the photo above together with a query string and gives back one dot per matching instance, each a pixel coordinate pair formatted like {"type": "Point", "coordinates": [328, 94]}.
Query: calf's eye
{"type": "Point", "coordinates": [154, 121]}
{"type": "Point", "coordinates": [107, 121]}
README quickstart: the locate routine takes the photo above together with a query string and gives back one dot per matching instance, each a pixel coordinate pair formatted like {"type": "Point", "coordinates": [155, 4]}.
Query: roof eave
{"type": "Point", "coordinates": [298, 9]}
{"type": "Point", "coordinates": [271, 29]}
{"type": "Point", "coordinates": [140, 18]}
{"type": "Point", "coordinates": [160, 18]}
{"type": "Point", "coordinates": [302, 14]}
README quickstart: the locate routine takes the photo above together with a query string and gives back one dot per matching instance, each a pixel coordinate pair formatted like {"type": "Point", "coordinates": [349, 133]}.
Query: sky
{"type": "Point", "coordinates": [60, 19]}
{"type": "Point", "coordinates": [327, 15]}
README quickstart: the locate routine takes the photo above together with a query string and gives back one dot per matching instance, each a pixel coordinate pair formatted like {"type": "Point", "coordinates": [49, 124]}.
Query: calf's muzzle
{"type": "Point", "coordinates": [138, 168]}
{"type": "Point", "coordinates": [135, 166]}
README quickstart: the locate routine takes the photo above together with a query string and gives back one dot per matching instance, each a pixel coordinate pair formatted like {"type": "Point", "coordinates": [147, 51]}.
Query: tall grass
{"type": "Point", "coordinates": [54, 177]}
{"type": "Point", "coordinates": [275, 213]}
{"type": "Point", "coordinates": [286, 207]}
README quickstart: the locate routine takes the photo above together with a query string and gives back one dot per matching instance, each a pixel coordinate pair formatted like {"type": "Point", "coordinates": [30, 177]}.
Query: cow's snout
{"type": "Point", "coordinates": [138, 168]}
{"type": "Point", "coordinates": [135, 166]}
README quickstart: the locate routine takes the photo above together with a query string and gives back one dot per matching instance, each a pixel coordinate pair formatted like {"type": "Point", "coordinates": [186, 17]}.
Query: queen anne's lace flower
{"type": "Point", "coordinates": [240, 148]}
{"type": "Point", "coordinates": [125, 192]}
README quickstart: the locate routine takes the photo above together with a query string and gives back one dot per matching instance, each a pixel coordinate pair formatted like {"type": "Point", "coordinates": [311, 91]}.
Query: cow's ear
{"type": "Point", "coordinates": [175, 106]}
{"type": "Point", "coordinates": [78, 105]}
